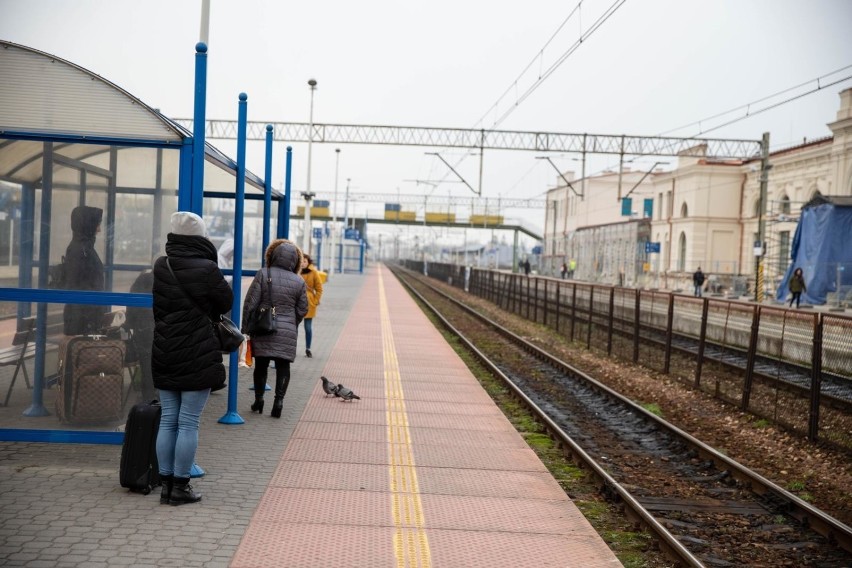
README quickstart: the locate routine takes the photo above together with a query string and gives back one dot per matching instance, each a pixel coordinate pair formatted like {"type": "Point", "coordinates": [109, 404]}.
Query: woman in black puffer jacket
{"type": "Point", "coordinates": [279, 285]}
{"type": "Point", "coordinates": [186, 363]}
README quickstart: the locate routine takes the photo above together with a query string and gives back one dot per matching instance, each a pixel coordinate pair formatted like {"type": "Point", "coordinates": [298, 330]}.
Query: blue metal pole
{"type": "Point", "coordinates": [37, 409]}
{"type": "Point", "coordinates": [232, 416]}
{"type": "Point", "coordinates": [185, 176]}
{"type": "Point", "coordinates": [287, 176]}
{"type": "Point", "coordinates": [198, 126]}
{"type": "Point", "coordinates": [267, 193]}
{"type": "Point", "coordinates": [280, 230]}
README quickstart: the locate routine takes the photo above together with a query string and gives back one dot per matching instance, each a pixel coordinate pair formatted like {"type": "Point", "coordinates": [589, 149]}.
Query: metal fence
{"type": "Point", "coordinates": [790, 366]}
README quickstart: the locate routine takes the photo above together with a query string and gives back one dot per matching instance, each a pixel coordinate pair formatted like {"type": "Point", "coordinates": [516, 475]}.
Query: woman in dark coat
{"type": "Point", "coordinates": [140, 323]}
{"type": "Point", "coordinates": [279, 285]}
{"type": "Point", "coordinates": [186, 362]}
{"type": "Point", "coordinates": [84, 271]}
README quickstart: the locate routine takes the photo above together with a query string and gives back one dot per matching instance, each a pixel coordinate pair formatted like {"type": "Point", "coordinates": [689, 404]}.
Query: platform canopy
{"type": "Point", "coordinates": [43, 97]}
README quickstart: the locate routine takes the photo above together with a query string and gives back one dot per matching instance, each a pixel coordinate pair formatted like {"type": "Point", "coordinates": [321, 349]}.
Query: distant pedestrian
{"type": "Point", "coordinates": [564, 270]}
{"type": "Point", "coordinates": [313, 282]}
{"type": "Point", "coordinates": [225, 256]}
{"type": "Point", "coordinates": [188, 291]}
{"type": "Point", "coordinates": [797, 286]}
{"type": "Point", "coordinates": [572, 266]}
{"type": "Point", "coordinates": [527, 266]}
{"type": "Point", "coordinates": [697, 282]}
{"type": "Point", "coordinates": [277, 285]}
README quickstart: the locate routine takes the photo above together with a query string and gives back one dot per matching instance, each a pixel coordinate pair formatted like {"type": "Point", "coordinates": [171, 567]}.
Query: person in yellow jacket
{"type": "Point", "coordinates": [313, 283]}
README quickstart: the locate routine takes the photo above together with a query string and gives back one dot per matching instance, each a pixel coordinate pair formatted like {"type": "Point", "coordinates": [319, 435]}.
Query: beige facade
{"type": "Point", "coordinates": [705, 213]}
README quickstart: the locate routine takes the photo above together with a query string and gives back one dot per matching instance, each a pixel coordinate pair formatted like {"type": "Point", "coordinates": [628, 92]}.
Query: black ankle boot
{"type": "Point", "coordinates": [277, 405]}
{"type": "Point", "coordinates": [257, 406]}
{"type": "Point", "coordinates": [182, 492]}
{"type": "Point", "coordinates": [166, 491]}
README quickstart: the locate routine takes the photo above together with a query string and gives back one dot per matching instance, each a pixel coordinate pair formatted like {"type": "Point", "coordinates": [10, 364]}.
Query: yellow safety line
{"type": "Point", "coordinates": [410, 544]}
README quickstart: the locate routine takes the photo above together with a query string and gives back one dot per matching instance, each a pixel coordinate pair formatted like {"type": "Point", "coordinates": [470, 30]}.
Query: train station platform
{"type": "Point", "coordinates": [424, 470]}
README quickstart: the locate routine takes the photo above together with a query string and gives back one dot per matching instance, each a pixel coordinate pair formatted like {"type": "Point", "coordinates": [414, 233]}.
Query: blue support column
{"type": "Point", "coordinates": [232, 416]}
{"type": "Point", "coordinates": [198, 126]}
{"type": "Point", "coordinates": [267, 193]}
{"type": "Point", "coordinates": [37, 408]}
{"type": "Point", "coordinates": [184, 177]}
{"type": "Point", "coordinates": [287, 176]}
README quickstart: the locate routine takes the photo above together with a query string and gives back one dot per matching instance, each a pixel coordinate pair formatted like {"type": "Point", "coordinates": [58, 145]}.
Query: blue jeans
{"type": "Point", "coordinates": [697, 290]}
{"type": "Point", "coordinates": [309, 332]}
{"type": "Point", "coordinates": [177, 439]}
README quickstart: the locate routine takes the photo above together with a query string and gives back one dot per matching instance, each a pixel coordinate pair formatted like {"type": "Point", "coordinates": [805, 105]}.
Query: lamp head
{"type": "Point", "coordinates": [312, 83]}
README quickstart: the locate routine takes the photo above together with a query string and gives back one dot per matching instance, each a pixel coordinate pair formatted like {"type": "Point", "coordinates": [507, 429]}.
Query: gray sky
{"type": "Point", "coordinates": [653, 66]}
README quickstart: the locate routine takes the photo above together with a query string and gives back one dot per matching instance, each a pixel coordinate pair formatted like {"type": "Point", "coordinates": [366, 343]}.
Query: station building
{"type": "Point", "coordinates": [704, 213]}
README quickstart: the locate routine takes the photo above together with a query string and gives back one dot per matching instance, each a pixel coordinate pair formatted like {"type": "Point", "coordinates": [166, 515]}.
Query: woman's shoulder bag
{"type": "Point", "coordinates": [262, 320]}
{"type": "Point", "coordinates": [226, 331]}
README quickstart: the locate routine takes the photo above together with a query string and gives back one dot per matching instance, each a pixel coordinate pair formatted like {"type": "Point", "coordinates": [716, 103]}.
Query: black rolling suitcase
{"type": "Point", "coordinates": [139, 471]}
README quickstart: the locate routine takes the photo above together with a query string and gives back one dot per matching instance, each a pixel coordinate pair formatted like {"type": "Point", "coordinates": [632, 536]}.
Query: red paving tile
{"type": "Point", "coordinates": [454, 484]}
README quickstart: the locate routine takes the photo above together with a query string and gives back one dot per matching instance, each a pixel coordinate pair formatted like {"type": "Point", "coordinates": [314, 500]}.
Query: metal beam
{"type": "Point", "coordinates": [485, 139]}
{"type": "Point", "coordinates": [420, 223]}
{"type": "Point", "coordinates": [436, 199]}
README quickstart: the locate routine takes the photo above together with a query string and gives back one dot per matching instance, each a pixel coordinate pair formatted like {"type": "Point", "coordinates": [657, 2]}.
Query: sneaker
{"type": "Point", "coordinates": [308, 353]}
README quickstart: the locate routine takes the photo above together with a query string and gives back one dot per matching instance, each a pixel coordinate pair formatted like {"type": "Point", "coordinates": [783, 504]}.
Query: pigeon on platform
{"type": "Point", "coordinates": [345, 393]}
{"type": "Point", "coordinates": [328, 387]}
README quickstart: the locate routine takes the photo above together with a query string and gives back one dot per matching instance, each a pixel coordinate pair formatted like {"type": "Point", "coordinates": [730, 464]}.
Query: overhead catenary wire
{"type": "Point", "coordinates": [550, 70]}
{"type": "Point", "coordinates": [747, 107]}
{"type": "Point", "coordinates": [820, 85]}
{"type": "Point", "coordinates": [537, 57]}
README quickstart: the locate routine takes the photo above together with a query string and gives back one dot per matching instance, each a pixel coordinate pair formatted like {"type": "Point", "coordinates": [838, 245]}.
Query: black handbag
{"type": "Point", "coordinates": [262, 320]}
{"type": "Point", "coordinates": [226, 331]}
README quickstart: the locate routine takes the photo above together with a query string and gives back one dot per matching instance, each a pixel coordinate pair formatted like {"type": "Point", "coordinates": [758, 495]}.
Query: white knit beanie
{"type": "Point", "coordinates": [188, 223]}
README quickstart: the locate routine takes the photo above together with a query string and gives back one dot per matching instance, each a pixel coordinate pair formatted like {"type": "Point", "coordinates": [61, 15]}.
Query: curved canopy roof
{"type": "Point", "coordinates": [45, 97]}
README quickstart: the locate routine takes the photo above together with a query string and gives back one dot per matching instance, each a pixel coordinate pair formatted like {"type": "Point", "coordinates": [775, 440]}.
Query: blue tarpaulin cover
{"type": "Point", "coordinates": [823, 241]}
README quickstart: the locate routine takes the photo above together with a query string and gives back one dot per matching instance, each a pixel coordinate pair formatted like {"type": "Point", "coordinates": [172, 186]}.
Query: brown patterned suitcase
{"type": "Point", "coordinates": [91, 379]}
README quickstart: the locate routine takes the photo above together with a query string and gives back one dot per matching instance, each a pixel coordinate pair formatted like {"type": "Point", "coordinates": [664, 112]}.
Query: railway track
{"type": "Point", "coordinates": [835, 391]}
{"type": "Point", "coordinates": [704, 508]}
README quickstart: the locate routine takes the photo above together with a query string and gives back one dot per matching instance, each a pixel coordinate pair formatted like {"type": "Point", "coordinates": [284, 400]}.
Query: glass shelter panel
{"type": "Point", "coordinates": [62, 382]}
{"type": "Point", "coordinates": [41, 183]}
{"type": "Point", "coordinates": [219, 216]}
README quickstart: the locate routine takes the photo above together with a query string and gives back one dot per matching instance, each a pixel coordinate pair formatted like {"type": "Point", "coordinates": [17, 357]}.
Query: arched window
{"type": "Point", "coordinates": [684, 210]}
{"type": "Point", "coordinates": [681, 259]}
{"type": "Point", "coordinates": [785, 205]}
{"type": "Point", "coordinates": [814, 193]}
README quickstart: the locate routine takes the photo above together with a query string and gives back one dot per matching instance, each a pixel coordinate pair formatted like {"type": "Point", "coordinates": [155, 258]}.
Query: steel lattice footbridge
{"type": "Point", "coordinates": [383, 135]}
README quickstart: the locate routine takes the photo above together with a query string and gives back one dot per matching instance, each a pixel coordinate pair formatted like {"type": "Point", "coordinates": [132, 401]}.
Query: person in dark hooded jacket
{"type": "Point", "coordinates": [84, 271]}
{"type": "Point", "coordinates": [279, 285]}
{"type": "Point", "coordinates": [186, 363]}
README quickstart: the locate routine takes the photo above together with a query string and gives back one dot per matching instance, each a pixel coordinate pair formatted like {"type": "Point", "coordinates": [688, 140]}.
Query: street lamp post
{"type": "Point", "coordinates": [345, 224]}
{"type": "Point", "coordinates": [312, 83]}
{"type": "Point", "coordinates": [334, 211]}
